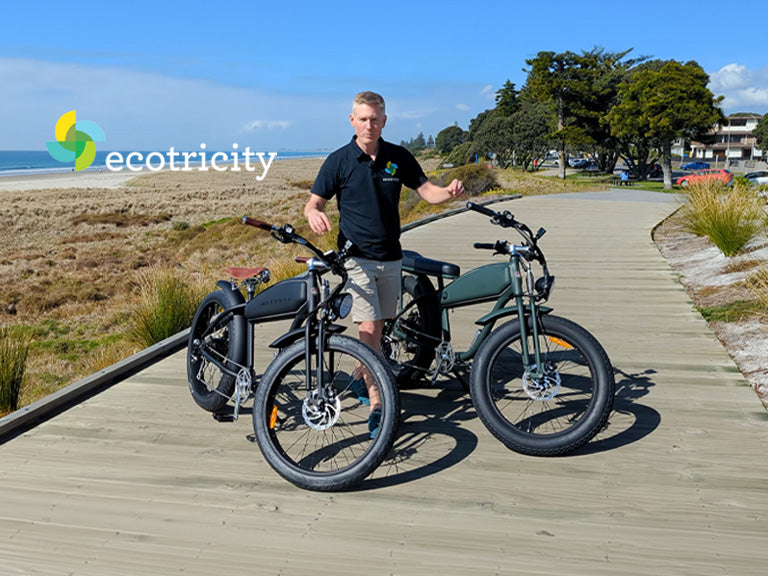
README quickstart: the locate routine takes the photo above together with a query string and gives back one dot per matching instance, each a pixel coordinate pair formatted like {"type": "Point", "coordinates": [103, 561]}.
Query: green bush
{"type": "Point", "coordinates": [729, 217]}
{"type": "Point", "coordinates": [14, 348]}
{"type": "Point", "coordinates": [477, 178]}
{"type": "Point", "coordinates": [165, 306]}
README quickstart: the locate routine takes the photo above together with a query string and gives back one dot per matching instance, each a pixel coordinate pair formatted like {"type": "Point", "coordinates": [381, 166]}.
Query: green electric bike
{"type": "Point", "coordinates": [540, 383]}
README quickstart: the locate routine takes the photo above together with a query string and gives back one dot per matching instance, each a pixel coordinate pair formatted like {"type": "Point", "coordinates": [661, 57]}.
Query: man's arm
{"type": "Point", "coordinates": [435, 194]}
{"type": "Point", "coordinates": [315, 215]}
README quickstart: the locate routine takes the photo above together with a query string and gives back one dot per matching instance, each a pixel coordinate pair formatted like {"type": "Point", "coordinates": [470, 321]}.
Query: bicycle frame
{"type": "Point", "coordinates": [304, 297]}
{"type": "Point", "coordinates": [500, 282]}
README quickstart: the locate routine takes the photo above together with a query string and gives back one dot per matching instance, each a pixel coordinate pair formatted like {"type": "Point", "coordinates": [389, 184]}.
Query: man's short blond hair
{"type": "Point", "coordinates": [369, 98]}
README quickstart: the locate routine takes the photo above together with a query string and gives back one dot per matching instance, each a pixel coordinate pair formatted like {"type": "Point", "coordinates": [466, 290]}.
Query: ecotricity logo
{"type": "Point", "coordinates": [75, 141]}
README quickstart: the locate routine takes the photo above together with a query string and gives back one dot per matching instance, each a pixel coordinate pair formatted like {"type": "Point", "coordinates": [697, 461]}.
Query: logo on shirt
{"type": "Point", "coordinates": [391, 168]}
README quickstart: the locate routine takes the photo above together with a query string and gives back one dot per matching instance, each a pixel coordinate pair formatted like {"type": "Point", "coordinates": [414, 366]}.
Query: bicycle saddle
{"type": "Point", "coordinates": [415, 262]}
{"type": "Point", "coordinates": [244, 273]}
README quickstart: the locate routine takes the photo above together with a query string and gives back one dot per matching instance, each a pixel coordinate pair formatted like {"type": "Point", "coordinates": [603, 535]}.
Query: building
{"type": "Point", "coordinates": [732, 142]}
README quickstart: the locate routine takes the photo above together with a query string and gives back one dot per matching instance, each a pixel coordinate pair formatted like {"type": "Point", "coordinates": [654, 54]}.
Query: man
{"type": "Point", "coordinates": [366, 177]}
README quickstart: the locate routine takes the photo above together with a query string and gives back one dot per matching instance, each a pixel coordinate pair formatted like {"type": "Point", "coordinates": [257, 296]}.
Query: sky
{"type": "Point", "coordinates": [281, 75]}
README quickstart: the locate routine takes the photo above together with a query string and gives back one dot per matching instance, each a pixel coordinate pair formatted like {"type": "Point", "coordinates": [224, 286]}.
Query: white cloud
{"type": "Point", "coordinates": [254, 125]}
{"type": "Point", "coordinates": [149, 111]}
{"type": "Point", "coordinates": [745, 90]}
{"type": "Point", "coordinates": [140, 110]}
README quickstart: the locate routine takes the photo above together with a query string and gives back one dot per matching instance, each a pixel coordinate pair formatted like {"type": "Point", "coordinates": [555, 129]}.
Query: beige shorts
{"type": "Point", "coordinates": [375, 288]}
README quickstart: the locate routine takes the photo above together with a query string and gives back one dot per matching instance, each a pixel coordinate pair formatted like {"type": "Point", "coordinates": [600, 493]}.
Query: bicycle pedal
{"type": "Point", "coordinates": [224, 416]}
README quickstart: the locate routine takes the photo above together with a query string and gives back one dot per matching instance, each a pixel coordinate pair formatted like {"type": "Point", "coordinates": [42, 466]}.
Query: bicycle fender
{"type": "Point", "coordinates": [491, 317]}
{"type": "Point", "coordinates": [298, 333]}
{"type": "Point", "coordinates": [226, 286]}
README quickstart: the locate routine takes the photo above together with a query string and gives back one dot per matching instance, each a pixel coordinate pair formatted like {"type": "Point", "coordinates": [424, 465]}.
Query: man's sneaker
{"type": "Point", "coordinates": [359, 389]}
{"type": "Point", "coordinates": [374, 422]}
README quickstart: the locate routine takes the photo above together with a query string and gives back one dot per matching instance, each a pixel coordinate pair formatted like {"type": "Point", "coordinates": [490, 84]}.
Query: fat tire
{"type": "Point", "coordinates": [231, 342]}
{"type": "Point", "coordinates": [494, 402]}
{"type": "Point", "coordinates": [276, 417]}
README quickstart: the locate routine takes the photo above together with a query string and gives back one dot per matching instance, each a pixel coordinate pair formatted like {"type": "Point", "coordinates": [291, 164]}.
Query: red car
{"type": "Point", "coordinates": [724, 176]}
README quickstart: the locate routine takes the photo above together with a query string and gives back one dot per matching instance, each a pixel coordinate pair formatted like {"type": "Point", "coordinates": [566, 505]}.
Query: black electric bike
{"type": "Point", "coordinates": [541, 384]}
{"type": "Point", "coordinates": [311, 414]}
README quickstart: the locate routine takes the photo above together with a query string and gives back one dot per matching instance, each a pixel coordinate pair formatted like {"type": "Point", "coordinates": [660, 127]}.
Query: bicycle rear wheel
{"type": "Point", "coordinates": [211, 387]}
{"type": "Point", "coordinates": [548, 410]}
{"type": "Point", "coordinates": [325, 438]}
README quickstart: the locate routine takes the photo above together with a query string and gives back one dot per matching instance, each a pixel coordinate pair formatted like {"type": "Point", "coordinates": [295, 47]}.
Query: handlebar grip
{"type": "Point", "coordinates": [481, 209]}
{"type": "Point", "coordinates": [258, 224]}
{"type": "Point", "coordinates": [484, 246]}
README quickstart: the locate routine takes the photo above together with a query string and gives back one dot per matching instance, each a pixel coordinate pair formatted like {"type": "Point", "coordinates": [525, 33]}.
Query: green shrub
{"type": "Point", "coordinates": [165, 306]}
{"type": "Point", "coordinates": [729, 217]}
{"type": "Point", "coordinates": [477, 178]}
{"type": "Point", "coordinates": [14, 347]}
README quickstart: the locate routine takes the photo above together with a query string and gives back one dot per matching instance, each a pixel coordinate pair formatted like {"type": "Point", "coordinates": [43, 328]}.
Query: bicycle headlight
{"type": "Point", "coordinates": [544, 287]}
{"type": "Point", "coordinates": [342, 305]}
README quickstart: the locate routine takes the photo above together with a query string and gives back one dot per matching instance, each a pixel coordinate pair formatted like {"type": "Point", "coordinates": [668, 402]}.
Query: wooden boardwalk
{"type": "Point", "coordinates": [138, 481]}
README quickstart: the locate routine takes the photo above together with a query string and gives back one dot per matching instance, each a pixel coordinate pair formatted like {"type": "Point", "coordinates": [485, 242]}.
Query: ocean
{"type": "Point", "coordinates": [29, 162]}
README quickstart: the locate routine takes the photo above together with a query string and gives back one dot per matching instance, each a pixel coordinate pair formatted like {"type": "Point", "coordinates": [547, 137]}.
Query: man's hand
{"type": "Point", "coordinates": [456, 188]}
{"type": "Point", "coordinates": [316, 218]}
{"type": "Point", "coordinates": [318, 221]}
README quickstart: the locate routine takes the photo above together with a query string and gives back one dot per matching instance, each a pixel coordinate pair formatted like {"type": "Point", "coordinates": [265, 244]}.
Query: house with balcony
{"type": "Point", "coordinates": [731, 143]}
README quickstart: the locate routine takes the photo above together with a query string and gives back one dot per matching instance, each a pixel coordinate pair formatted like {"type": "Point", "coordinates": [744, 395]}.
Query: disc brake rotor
{"type": "Point", "coordinates": [541, 387]}
{"type": "Point", "coordinates": [319, 413]}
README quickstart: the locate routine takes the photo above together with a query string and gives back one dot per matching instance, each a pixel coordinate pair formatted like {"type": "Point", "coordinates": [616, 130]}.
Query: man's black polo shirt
{"type": "Point", "coordinates": [368, 195]}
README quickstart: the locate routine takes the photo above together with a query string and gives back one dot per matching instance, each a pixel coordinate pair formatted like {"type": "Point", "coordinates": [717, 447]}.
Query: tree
{"type": "Point", "coordinates": [532, 123]}
{"type": "Point", "coordinates": [506, 99]}
{"type": "Point", "coordinates": [581, 89]}
{"type": "Point", "coordinates": [448, 138]}
{"type": "Point", "coordinates": [495, 137]}
{"type": "Point", "coordinates": [761, 133]}
{"type": "Point", "coordinates": [660, 102]}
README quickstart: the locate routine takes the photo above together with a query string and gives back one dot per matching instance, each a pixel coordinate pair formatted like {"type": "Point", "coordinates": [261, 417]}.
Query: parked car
{"type": "Point", "coordinates": [723, 176]}
{"type": "Point", "coordinates": [578, 162]}
{"type": "Point", "coordinates": [758, 178]}
{"type": "Point", "coordinates": [655, 171]}
{"type": "Point", "coordinates": [698, 165]}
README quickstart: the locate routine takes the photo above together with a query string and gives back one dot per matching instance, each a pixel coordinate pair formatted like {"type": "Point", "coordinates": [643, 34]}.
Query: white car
{"type": "Point", "coordinates": [758, 178]}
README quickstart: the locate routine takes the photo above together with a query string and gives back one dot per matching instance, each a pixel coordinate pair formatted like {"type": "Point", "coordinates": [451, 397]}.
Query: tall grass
{"type": "Point", "coordinates": [757, 282]}
{"type": "Point", "coordinates": [729, 217]}
{"type": "Point", "coordinates": [165, 305]}
{"type": "Point", "coordinates": [14, 347]}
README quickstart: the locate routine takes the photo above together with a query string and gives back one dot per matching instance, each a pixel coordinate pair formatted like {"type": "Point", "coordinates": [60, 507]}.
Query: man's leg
{"type": "Point", "coordinates": [370, 333]}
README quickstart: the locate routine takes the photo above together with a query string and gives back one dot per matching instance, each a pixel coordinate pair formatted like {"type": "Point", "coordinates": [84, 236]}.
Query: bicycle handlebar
{"type": "Point", "coordinates": [480, 208]}
{"type": "Point", "coordinates": [257, 224]}
{"type": "Point", "coordinates": [287, 235]}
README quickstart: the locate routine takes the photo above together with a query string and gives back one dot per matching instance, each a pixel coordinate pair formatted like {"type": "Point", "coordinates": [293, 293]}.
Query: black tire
{"type": "Point", "coordinates": [409, 341]}
{"type": "Point", "coordinates": [212, 388]}
{"type": "Point", "coordinates": [550, 416]}
{"type": "Point", "coordinates": [326, 446]}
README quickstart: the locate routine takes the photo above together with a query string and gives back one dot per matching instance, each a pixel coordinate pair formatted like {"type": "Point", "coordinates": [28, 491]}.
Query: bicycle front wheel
{"type": "Point", "coordinates": [548, 409]}
{"type": "Point", "coordinates": [334, 433]}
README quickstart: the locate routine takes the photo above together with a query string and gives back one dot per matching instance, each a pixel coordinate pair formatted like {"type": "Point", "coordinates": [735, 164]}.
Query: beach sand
{"type": "Point", "coordinates": [92, 179]}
